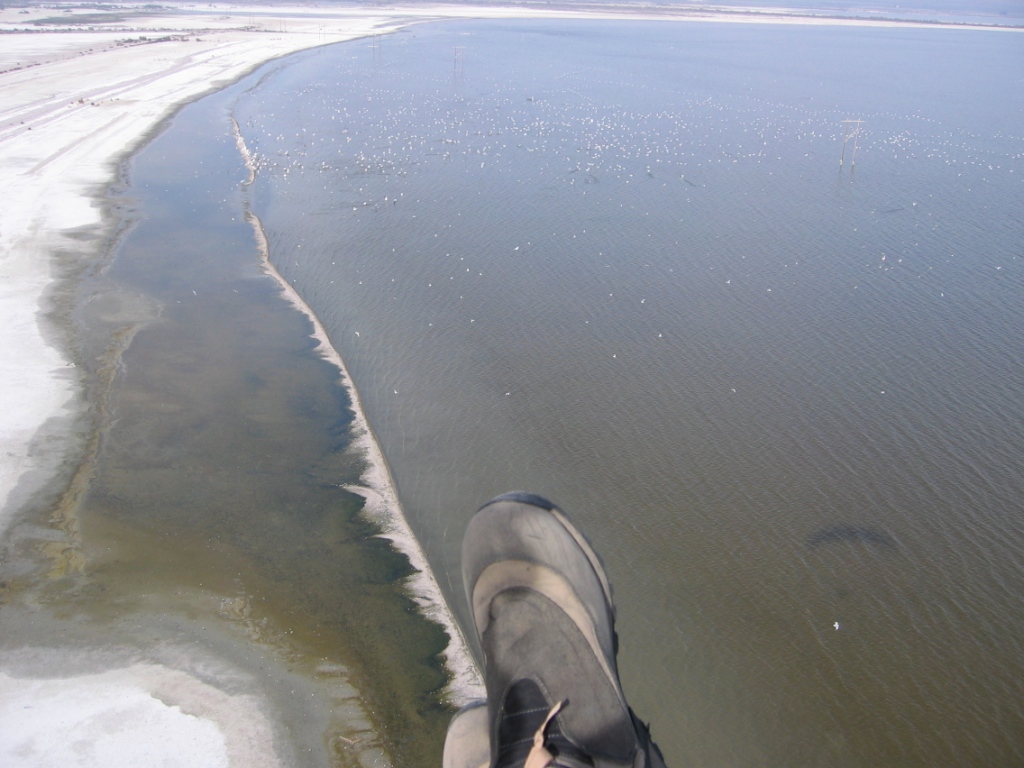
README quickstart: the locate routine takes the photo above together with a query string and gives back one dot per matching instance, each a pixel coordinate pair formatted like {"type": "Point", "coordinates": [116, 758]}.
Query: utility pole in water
{"type": "Point", "coordinates": [375, 47]}
{"type": "Point", "coordinates": [851, 130]}
{"type": "Point", "coordinates": [459, 67]}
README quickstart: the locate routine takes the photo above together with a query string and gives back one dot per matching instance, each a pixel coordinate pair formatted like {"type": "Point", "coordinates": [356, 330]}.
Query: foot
{"type": "Point", "coordinates": [543, 612]}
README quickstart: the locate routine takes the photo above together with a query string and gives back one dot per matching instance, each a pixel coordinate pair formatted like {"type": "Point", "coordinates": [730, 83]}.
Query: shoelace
{"type": "Point", "coordinates": [539, 757]}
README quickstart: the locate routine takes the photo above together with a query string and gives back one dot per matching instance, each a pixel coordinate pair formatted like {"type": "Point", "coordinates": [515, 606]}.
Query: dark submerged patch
{"type": "Point", "coordinates": [847, 533]}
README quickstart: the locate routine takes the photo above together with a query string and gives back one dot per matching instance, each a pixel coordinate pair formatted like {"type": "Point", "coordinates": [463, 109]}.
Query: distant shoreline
{"type": "Point", "coordinates": [779, 13]}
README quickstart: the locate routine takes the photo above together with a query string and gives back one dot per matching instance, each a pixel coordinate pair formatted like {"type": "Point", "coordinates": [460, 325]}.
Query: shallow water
{"type": "Point", "coordinates": [619, 264]}
{"type": "Point", "coordinates": [224, 468]}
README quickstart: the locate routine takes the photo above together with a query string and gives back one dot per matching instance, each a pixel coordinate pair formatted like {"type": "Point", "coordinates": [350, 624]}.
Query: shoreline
{"type": "Point", "coordinates": [67, 132]}
{"type": "Point", "coordinates": [383, 506]}
{"type": "Point", "coordinates": [377, 486]}
{"type": "Point", "coordinates": [56, 175]}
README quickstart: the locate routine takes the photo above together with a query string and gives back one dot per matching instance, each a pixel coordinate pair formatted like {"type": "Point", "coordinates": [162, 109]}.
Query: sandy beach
{"type": "Point", "coordinates": [77, 97]}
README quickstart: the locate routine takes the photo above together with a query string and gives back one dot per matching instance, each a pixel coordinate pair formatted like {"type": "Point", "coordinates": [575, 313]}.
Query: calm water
{"type": "Point", "coordinates": [619, 264]}
{"type": "Point", "coordinates": [219, 485]}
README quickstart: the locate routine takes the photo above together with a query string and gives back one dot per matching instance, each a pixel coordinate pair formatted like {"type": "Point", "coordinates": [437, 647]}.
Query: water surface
{"type": "Point", "coordinates": [224, 472]}
{"type": "Point", "coordinates": [619, 264]}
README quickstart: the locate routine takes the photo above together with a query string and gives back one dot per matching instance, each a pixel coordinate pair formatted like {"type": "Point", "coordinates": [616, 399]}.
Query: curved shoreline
{"type": "Point", "coordinates": [67, 126]}
{"type": "Point", "coordinates": [377, 488]}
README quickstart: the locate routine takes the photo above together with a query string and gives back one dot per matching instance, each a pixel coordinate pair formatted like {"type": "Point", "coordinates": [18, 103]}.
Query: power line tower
{"type": "Point", "coordinates": [851, 130]}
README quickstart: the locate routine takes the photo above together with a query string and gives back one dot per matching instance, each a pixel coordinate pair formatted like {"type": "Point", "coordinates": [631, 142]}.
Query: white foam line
{"type": "Point", "coordinates": [377, 486]}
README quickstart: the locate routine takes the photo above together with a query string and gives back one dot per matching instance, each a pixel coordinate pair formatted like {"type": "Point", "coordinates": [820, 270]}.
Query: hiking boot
{"type": "Point", "coordinates": [543, 612]}
{"type": "Point", "coordinates": [467, 744]}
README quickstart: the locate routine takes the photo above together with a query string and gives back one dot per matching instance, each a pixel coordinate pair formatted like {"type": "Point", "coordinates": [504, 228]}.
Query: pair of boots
{"type": "Point", "coordinates": [543, 612]}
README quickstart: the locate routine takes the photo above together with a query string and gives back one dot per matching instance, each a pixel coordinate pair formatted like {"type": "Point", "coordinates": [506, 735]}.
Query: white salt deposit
{"type": "Point", "coordinates": [144, 714]}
